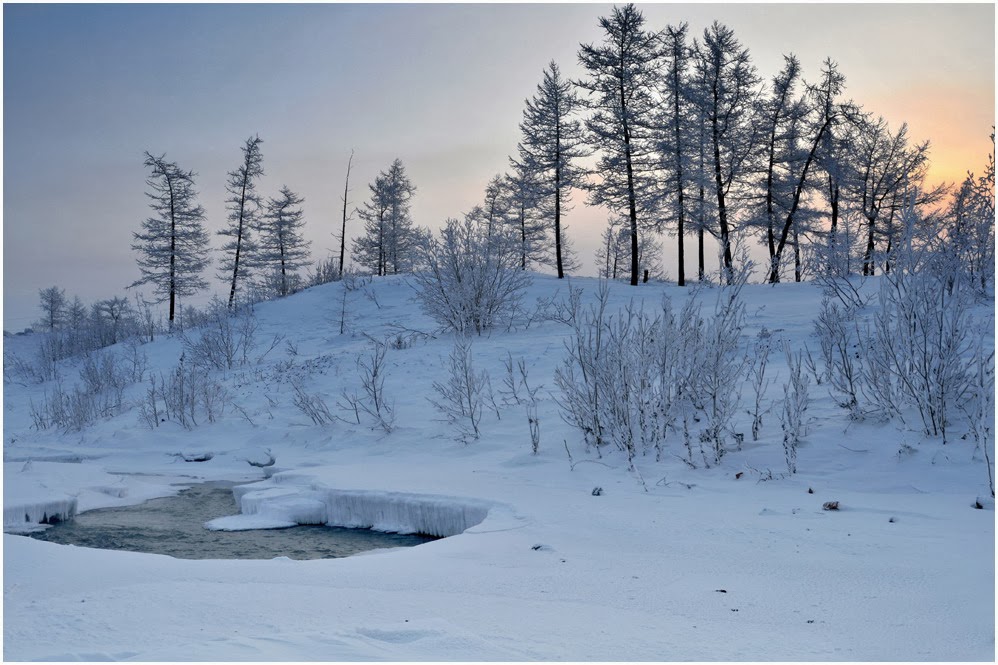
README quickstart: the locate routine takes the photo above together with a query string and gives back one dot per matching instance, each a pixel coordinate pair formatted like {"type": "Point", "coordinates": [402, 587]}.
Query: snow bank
{"type": "Point", "coordinates": [396, 512]}
{"type": "Point", "coordinates": [28, 514]}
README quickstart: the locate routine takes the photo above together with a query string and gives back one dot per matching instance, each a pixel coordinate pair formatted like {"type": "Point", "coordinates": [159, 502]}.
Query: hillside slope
{"type": "Point", "coordinates": [734, 562]}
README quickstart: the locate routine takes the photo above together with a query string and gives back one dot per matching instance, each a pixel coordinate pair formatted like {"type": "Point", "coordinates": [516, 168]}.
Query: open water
{"type": "Point", "coordinates": [175, 526]}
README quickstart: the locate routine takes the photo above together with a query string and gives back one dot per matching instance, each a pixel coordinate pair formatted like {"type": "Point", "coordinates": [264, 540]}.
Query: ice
{"type": "Point", "coordinates": [395, 512]}
{"type": "Point", "coordinates": [28, 515]}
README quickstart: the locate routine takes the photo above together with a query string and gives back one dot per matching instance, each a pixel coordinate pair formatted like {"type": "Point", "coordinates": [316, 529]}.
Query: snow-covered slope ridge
{"type": "Point", "coordinates": [673, 559]}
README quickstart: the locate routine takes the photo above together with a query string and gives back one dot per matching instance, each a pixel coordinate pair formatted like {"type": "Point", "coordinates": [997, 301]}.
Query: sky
{"type": "Point", "coordinates": [87, 89]}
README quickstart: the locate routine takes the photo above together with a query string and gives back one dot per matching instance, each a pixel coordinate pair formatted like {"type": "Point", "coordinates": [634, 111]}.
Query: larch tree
{"type": "Point", "coordinates": [244, 206]}
{"type": "Point", "coordinates": [824, 113]}
{"type": "Point", "coordinates": [971, 225]}
{"type": "Point", "coordinates": [779, 114]}
{"type": "Point", "coordinates": [493, 212]}
{"type": "Point", "coordinates": [833, 164]}
{"type": "Point", "coordinates": [390, 238]}
{"type": "Point", "coordinates": [678, 138]}
{"type": "Point", "coordinates": [551, 143]}
{"type": "Point", "coordinates": [887, 169]}
{"type": "Point", "coordinates": [281, 248]}
{"type": "Point", "coordinates": [703, 215]}
{"type": "Point", "coordinates": [173, 243]}
{"type": "Point", "coordinates": [53, 304]}
{"type": "Point", "coordinates": [726, 91]}
{"type": "Point", "coordinates": [620, 84]}
{"type": "Point", "coordinates": [526, 214]}
{"type": "Point", "coordinates": [612, 255]}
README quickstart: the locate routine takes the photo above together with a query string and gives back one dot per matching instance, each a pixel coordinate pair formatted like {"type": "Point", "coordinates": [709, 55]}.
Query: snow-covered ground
{"type": "Point", "coordinates": [735, 562]}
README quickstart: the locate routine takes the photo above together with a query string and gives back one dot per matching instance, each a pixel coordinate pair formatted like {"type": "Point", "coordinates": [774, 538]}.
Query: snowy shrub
{"type": "Point", "coordinates": [325, 271]}
{"type": "Point", "coordinates": [99, 394]}
{"type": "Point", "coordinates": [534, 425]}
{"type": "Point", "coordinates": [461, 399]}
{"type": "Point", "coordinates": [311, 404]}
{"type": "Point", "coordinates": [838, 337]}
{"type": "Point", "coordinates": [757, 375]}
{"type": "Point", "coordinates": [795, 402]}
{"type": "Point", "coordinates": [581, 376]}
{"type": "Point", "coordinates": [979, 406]}
{"type": "Point", "coordinates": [187, 395]}
{"type": "Point", "coordinates": [135, 360]}
{"type": "Point", "coordinates": [517, 389]}
{"type": "Point", "coordinates": [372, 400]}
{"type": "Point", "coordinates": [470, 278]}
{"type": "Point", "coordinates": [113, 320]}
{"type": "Point", "coordinates": [225, 340]}
{"type": "Point", "coordinates": [918, 347]}
{"type": "Point", "coordinates": [719, 367]}
{"type": "Point", "coordinates": [630, 379]}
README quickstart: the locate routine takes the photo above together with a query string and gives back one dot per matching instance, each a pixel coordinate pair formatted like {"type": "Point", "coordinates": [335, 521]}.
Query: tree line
{"type": "Point", "coordinates": [670, 132]}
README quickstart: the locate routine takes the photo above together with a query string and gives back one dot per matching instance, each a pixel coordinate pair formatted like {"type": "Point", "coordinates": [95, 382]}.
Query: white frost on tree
{"type": "Point", "coordinates": [244, 206]}
{"type": "Point", "coordinates": [388, 246]}
{"type": "Point", "coordinates": [551, 142]}
{"type": "Point", "coordinates": [620, 87]}
{"type": "Point", "coordinates": [281, 248]}
{"type": "Point", "coordinates": [470, 280]}
{"type": "Point", "coordinates": [173, 244]}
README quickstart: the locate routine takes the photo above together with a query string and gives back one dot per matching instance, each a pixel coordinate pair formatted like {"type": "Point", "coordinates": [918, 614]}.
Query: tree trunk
{"type": "Point", "coordinates": [681, 231]}
{"type": "Point", "coordinates": [701, 268]}
{"type": "Point", "coordinates": [868, 254]}
{"type": "Point", "coordinates": [343, 229]}
{"type": "Point", "coordinates": [631, 202]}
{"type": "Point", "coordinates": [523, 236]}
{"type": "Point", "coordinates": [833, 245]}
{"type": "Point", "coordinates": [722, 212]}
{"type": "Point", "coordinates": [557, 197]}
{"type": "Point", "coordinates": [173, 251]}
{"type": "Point", "coordinates": [797, 266]}
{"type": "Point", "coordinates": [774, 275]}
{"type": "Point", "coordinates": [239, 242]}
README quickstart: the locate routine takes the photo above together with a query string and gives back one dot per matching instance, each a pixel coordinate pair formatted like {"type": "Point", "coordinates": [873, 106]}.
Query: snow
{"type": "Point", "coordinates": [275, 504]}
{"type": "Point", "coordinates": [705, 565]}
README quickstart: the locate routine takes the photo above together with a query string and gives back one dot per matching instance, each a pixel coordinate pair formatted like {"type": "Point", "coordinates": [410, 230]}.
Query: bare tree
{"type": "Point", "coordinates": [343, 229]}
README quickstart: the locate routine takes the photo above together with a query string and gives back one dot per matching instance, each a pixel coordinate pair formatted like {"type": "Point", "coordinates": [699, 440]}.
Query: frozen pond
{"type": "Point", "coordinates": [175, 526]}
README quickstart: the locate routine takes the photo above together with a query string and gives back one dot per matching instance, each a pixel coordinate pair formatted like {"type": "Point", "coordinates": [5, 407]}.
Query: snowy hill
{"type": "Point", "coordinates": [735, 560]}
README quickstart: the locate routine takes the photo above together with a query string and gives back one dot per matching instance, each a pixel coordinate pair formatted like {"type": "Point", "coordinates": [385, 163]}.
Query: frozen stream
{"type": "Point", "coordinates": [175, 526]}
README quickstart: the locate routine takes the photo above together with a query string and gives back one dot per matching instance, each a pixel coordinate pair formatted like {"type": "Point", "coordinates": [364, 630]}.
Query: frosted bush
{"type": "Point", "coordinates": [470, 278]}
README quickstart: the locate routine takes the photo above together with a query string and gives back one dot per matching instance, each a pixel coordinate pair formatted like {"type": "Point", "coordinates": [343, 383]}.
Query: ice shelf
{"type": "Point", "coordinates": [283, 504]}
{"type": "Point", "coordinates": [27, 515]}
